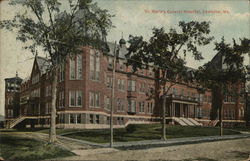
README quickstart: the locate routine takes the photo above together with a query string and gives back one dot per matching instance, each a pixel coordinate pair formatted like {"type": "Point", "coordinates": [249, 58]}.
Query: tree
{"type": "Point", "coordinates": [59, 32]}
{"type": "Point", "coordinates": [165, 52]}
{"type": "Point", "coordinates": [224, 74]}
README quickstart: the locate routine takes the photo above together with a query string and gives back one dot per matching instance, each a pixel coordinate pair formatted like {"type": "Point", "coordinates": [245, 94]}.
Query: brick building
{"type": "Point", "coordinates": [84, 94]}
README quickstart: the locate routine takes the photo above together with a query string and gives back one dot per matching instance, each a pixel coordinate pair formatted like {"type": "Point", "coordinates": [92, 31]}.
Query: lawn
{"type": "Point", "coordinates": [19, 148]}
{"type": "Point", "coordinates": [145, 132]}
{"type": "Point", "coordinates": [135, 132]}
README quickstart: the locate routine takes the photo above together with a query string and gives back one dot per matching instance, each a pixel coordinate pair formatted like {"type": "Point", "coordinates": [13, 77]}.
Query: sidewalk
{"type": "Point", "coordinates": [159, 143]}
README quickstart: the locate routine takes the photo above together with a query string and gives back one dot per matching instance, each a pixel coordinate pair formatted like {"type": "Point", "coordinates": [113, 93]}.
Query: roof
{"type": "Point", "coordinates": [122, 50]}
{"type": "Point", "coordinates": [43, 64]}
{"type": "Point", "coordinates": [14, 79]}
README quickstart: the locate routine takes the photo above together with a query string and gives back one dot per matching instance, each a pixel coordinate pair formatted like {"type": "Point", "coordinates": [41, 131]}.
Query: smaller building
{"type": "Point", "coordinates": [12, 92]}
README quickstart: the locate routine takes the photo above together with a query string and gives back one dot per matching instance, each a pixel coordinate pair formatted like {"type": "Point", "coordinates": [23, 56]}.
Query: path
{"type": "Point", "coordinates": [227, 150]}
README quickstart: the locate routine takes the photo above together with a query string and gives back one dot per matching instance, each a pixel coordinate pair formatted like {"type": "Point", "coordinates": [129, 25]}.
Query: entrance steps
{"type": "Point", "coordinates": [16, 121]}
{"type": "Point", "coordinates": [179, 121]}
{"type": "Point", "coordinates": [194, 122]}
{"type": "Point", "coordinates": [186, 121]}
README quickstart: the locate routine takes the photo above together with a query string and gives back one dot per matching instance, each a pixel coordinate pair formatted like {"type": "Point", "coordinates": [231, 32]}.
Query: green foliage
{"type": "Point", "coordinates": [60, 32]}
{"type": "Point", "coordinates": [231, 57]}
{"type": "Point", "coordinates": [225, 69]}
{"type": "Point", "coordinates": [166, 51]}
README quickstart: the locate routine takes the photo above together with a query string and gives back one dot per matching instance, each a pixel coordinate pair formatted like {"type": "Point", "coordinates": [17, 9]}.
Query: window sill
{"type": "Point", "coordinates": [75, 79]}
{"type": "Point", "coordinates": [75, 106]}
{"type": "Point", "coordinates": [93, 107]}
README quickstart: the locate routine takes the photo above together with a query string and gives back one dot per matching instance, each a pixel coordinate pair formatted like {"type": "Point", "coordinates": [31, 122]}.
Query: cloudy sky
{"type": "Point", "coordinates": [137, 18]}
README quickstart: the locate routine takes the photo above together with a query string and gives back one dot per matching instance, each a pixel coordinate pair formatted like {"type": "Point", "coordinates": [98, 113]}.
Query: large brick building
{"type": "Point", "coordinates": [84, 95]}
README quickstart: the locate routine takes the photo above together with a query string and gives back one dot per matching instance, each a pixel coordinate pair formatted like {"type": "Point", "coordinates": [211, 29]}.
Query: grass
{"type": "Point", "coordinates": [246, 129]}
{"type": "Point", "coordinates": [19, 148]}
{"type": "Point", "coordinates": [145, 132]}
{"type": "Point", "coordinates": [135, 132]}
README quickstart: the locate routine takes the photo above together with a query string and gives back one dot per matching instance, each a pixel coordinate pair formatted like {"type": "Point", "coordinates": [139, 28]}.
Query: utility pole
{"type": "Point", "coordinates": [113, 99]}
{"type": "Point", "coordinates": [164, 118]}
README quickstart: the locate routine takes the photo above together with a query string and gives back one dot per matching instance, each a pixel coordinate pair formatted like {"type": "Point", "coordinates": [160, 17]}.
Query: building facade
{"type": "Point", "coordinates": [84, 95]}
{"type": "Point", "coordinates": [12, 95]}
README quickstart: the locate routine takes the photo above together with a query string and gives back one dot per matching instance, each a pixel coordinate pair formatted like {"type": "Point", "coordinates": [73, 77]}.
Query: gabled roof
{"type": "Point", "coordinates": [43, 64]}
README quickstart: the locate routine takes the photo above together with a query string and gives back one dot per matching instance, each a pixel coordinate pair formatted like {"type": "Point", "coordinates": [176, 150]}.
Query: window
{"type": "Point", "coordinates": [61, 119]}
{"type": "Point", "coordinates": [142, 88]}
{"type": "Point", "coordinates": [97, 100]}
{"type": "Point", "coordinates": [109, 81]}
{"type": "Point", "coordinates": [72, 118]}
{"type": "Point", "coordinates": [120, 104]}
{"type": "Point", "coordinates": [61, 72]}
{"type": "Point", "coordinates": [94, 65]}
{"type": "Point", "coordinates": [121, 84]}
{"type": "Point", "coordinates": [72, 63]}
{"type": "Point", "coordinates": [97, 65]}
{"type": "Point", "coordinates": [76, 67]}
{"type": "Point", "coordinates": [47, 108]}
{"type": "Point", "coordinates": [131, 106]}
{"type": "Point", "coordinates": [79, 98]}
{"type": "Point", "coordinates": [79, 66]}
{"type": "Point", "coordinates": [141, 107]}
{"type": "Point", "coordinates": [150, 107]}
{"type": "Point", "coordinates": [108, 120]}
{"type": "Point", "coordinates": [75, 98]}
{"type": "Point", "coordinates": [120, 120]}
{"type": "Point", "coordinates": [97, 120]}
{"type": "Point", "coordinates": [107, 102]}
{"type": "Point", "coordinates": [131, 85]}
{"type": "Point", "coordinates": [78, 118]}
{"type": "Point", "coordinates": [94, 99]}
{"type": "Point", "coordinates": [61, 99]}
{"type": "Point", "coordinates": [91, 118]}
{"type": "Point", "coordinates": [72, 98]}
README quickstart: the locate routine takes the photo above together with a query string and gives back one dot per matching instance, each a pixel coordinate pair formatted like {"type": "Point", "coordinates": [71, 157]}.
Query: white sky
{"type": "Point", "coordinates": [131, 18]}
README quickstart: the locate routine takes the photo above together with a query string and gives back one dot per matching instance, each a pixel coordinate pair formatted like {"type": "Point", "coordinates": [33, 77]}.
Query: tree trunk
{"type": "Point", "coordinates": [157, 109]}
{"type": "Point", "coordinates": [221, 120]}
{"type": "Point", "coordinates": [52, 134]}
{"type": "Point", "coordinates": [247, 111]}
{"type": "Point", "coordinates": [221, 98]}
{"type": "Point", "coordinates": [164, 119]}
